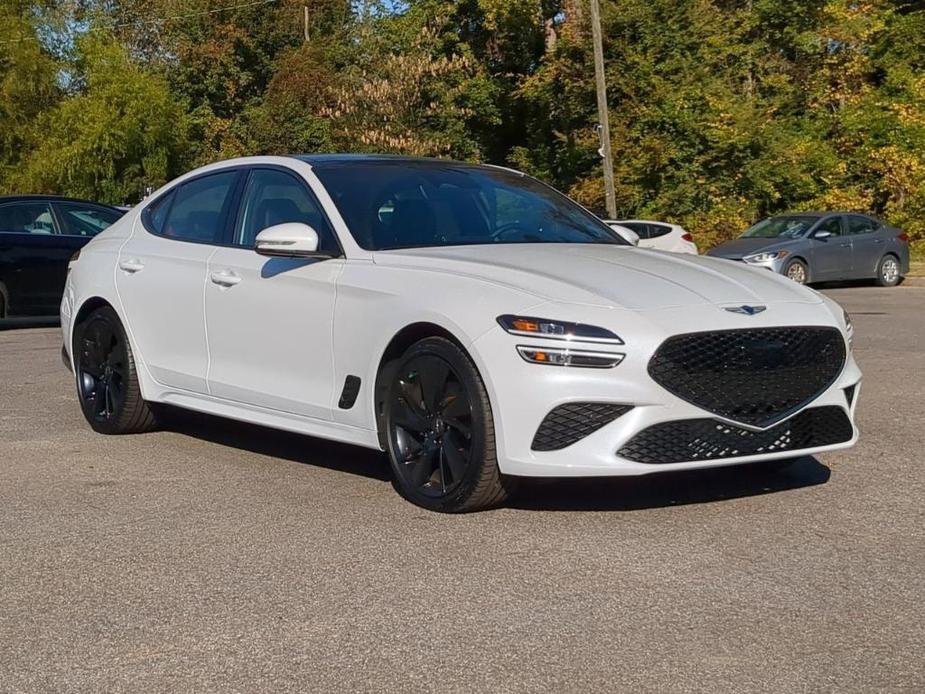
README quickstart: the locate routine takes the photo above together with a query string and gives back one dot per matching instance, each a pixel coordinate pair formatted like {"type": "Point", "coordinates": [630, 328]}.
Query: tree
{"type": "Point", "coordinates": [122, 132]}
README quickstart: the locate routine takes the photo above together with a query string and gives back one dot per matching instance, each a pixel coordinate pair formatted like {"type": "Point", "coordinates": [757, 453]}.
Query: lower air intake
{"type": "Point", "coordinates": [690, 440]}
{"type": "Point", "coordinates": [568, 423]}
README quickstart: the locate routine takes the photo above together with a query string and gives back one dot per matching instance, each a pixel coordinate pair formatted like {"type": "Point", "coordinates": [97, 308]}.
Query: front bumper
{"type": "Point", "coordinates": [524, 394]}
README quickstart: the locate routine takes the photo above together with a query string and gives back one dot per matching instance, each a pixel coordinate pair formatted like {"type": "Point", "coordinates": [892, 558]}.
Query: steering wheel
{"type": "Point", "coordinates": [508, 228]}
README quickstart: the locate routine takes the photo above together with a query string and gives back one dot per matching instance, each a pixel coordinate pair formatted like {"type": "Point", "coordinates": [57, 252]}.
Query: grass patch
{"type": "Point", "coordinates": [917, 268]}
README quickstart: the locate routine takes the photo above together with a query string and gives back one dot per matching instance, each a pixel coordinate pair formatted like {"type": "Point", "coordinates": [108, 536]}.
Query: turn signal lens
{"type": "Point", "coordinates": [569, 357]}
{"type": "Point", "coordinates": [557, 330]}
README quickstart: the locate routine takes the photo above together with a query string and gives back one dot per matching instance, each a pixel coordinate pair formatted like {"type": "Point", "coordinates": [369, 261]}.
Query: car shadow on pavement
{"type": "Point", "coordinates": [667, 489]}
{"type": "Point", "coordinates": [277, 444]}
{"type": "Point", "coordinates": [588, 494]}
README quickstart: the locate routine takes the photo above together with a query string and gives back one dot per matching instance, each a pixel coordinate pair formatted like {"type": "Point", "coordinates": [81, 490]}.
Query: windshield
{"type": "Point", "coordinates": [789, 227]}
{"type": "Point", "coordinates": [402, 204]}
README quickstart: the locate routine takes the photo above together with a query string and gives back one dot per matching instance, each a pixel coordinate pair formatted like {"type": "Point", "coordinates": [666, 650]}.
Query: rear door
{"type": "Point", "coordinates": [867, 244]}
{"type": "Point", "coordinates": [270, 320]}
{"type": "Point", "coordinates": [161, 276]}
{"type": "Point", "coordinates": [33, 257]}
{"type": "Point", "coordinates": [830, 256]}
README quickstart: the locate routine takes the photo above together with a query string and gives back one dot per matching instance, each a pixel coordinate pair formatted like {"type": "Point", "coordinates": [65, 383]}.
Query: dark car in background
{"type": "Point", "coordinates": [38, 235]}
{"type": "Point", "coordinates": [823, 247]}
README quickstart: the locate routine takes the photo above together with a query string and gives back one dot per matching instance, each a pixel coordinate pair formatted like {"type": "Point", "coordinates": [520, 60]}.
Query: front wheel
{"type": "Point", "coordinates": [796, 270]}
{"type": "Point", "coordinates": [107, 383]}
{"type": "Point", "coordinates": [888, 271]}
{"type": "Point", "coordinates": [440, 432]}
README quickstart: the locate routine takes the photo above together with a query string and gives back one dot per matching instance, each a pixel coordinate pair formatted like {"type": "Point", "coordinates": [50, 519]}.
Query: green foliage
{"type": "Point", "coordinates": [122, 132]}
{"type": "Point", "coordinates": [721, 111]}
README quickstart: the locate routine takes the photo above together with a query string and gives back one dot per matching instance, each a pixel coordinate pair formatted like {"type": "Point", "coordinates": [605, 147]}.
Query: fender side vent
{"type": "Point", "coordinates": [571, 422]}
{"type": "Point", "coordinates": [349, 395]}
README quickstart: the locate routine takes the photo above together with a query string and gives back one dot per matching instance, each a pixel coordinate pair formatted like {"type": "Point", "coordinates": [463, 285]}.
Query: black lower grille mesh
{"type": "Point", "coordinates": [689, 440]}
{"type": "Point", "coordinates": [755, 376]}
{"type": "Point", "coordinates": [571, 422]}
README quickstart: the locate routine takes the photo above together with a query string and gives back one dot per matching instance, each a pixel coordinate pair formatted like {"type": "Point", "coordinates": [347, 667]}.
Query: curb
{"type": "Point", "coordinates": [913, 282]}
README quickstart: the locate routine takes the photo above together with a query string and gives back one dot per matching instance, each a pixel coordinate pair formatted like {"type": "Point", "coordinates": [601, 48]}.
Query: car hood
{"type": "Point", "coordinates": [604, 275]}
{"type": "Point", "coordinates": [739, 248]}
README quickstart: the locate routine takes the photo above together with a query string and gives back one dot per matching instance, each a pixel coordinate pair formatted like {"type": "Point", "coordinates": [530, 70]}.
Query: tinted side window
{"type": "Point", "coordinates": [275, 197]}
{"type": "Point", "coordinates": [831, 225]}
{"type": "Point", "coordinates": [656, 230]}
{"type": "Point", "coordinates": [85, 220]}
{"type": "Point", "coordinates": [27, 218]}
{"type": "Point", "coordinates": [858, 224]}
{"type": "Point", "coordinates": [155, 214]}
{"type": "Point", "coordinates": [198, 213]}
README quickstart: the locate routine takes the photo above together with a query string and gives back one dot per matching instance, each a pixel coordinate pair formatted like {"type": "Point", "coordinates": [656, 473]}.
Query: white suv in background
{"type": "Point", "coordinates": [661, 236]}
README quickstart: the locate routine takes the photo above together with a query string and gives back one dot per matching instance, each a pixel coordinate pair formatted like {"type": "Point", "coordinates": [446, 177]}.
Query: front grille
{"type": "Point", "coordinates": [689, 440]}
{"type": "Point", "coordinates": [755, 376]}
{"type": "Point", "coordinates": [566, 424]}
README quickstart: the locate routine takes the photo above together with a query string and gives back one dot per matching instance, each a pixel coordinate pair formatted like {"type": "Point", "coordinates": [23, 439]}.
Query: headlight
{"type": "Point", "coordinates": [849, 329]}
{"type": "Point", "coordinates": [557, 330]}
{"type": "Point", "coordinates": [766, 257]}
{"type": "Point", "coordinates": [554, 356]}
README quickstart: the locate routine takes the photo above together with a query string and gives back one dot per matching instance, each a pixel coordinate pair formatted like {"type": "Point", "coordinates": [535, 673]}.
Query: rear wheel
{"type": "Point", "coordinates": [888, 271]}
{"type": "Point", "coordinates": [440, 432]}
{"type": "Point", "coordinates": [107, 383]}
{"type": "Point", "coordinates": [796, 270]}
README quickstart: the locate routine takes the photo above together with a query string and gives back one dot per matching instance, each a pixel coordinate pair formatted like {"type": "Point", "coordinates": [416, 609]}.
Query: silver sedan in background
{"type": "Point", "coordinates": [823, 246]}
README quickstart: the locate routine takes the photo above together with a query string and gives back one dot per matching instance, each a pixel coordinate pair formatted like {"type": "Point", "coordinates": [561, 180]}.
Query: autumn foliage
{"type": "Point", "coordinates": [722, 111]}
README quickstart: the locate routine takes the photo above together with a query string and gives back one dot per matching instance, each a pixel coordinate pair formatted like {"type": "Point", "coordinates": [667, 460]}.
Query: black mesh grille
{"type": "Point", "coordinates": [689, 440]}
{"type": "Point", "coordinates": [754, 376]}
{"type": "Point", "coordinates": [571, 422]}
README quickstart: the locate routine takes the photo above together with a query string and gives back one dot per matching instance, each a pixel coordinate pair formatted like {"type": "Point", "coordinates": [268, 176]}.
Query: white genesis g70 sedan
{"type": "Point", "coordinates": [469, 320]}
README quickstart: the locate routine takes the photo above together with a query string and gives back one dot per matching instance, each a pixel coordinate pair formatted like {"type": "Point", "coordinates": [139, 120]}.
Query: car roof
{"type": "Point", "coordinates": [820, 213]}
{"type": "Point", "coordinates": [53, 198]}
{"type": "Point", "coordinates": [325, 160]}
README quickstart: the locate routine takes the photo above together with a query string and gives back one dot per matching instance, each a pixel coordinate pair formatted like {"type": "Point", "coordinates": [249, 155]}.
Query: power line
{"type": "Point", "coordinates": [160, 20]}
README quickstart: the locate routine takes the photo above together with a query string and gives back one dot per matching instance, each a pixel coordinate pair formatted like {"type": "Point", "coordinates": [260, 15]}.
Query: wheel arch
{"type": "Point", "coordinates": [400, 342]}
{"type": "Point", "coordinates": [89, 305]}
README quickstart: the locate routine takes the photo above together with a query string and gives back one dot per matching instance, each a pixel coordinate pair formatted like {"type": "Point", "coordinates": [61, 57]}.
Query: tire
{"type": "Point", "coordinates": [797, 271]}
{"type": "Point", "coordinates": [439, 431]}
{"type": "Point", "coordinates": [106, 378]}
{"type": "Point", "coordinates": [888, 270]}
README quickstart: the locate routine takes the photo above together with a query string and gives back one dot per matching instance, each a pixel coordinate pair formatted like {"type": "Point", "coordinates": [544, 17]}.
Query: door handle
{"type": "Point", "coordinates": [846, 245]}
{"type": "Point", "coordinates": [131, 266]}
{"type": "Point", "coordinates": [225, 278]}
{"type": "Point", "coordinates": [878, 240]}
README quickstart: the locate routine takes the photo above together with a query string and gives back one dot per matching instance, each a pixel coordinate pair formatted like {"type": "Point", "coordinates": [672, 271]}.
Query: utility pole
{"type": "Point", "coordinates": [305, 22]}
{"type": "Point", "coordinates": [610, 195]}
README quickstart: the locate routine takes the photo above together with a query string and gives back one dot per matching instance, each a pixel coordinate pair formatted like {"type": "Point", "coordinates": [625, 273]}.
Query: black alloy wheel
{"type": "Point", "coordinates": [102, 372]}
{"type": "Point", "coordinates": [107, 384]}
{"type": "Point", "coordinates": [440, 432]}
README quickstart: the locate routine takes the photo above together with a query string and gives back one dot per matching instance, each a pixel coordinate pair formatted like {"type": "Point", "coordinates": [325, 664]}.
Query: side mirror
{"type": "Point", "coordinates": [822, 235]}
{"type": "Point", "coordinates": [289, 240]}
{"type": "Point", "coordinates": [626, 233]}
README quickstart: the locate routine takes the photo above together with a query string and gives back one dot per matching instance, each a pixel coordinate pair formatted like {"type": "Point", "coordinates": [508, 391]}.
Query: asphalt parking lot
{"type": "Point", "coordinates": [221, 557]}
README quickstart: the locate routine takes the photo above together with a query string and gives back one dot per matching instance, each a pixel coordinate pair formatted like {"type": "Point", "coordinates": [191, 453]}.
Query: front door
{"type": "Point", "coordinates": [831, 256]}
{"type": "Point", "coordinates": [270, 320]}
{"type": "Point", "coordinates": [161, 276]}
